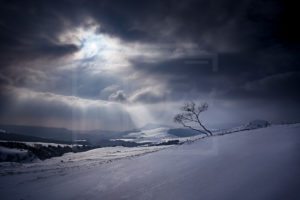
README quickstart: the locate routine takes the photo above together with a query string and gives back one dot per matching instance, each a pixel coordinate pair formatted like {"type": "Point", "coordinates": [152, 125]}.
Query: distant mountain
{"type": "Point", "coordinates": [61, 134]}
{"type": "Point", "coordinates": [26, 138]}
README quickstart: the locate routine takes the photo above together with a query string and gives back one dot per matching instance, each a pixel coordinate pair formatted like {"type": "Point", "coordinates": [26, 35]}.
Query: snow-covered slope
{"type": "Point", "coordinates": [68, 161]}
{"type": "Point", "coordinates": [257, 164]}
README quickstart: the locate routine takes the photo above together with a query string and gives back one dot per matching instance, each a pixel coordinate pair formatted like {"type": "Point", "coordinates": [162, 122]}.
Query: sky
{"type": "Point", "coordinates": [118, 65]}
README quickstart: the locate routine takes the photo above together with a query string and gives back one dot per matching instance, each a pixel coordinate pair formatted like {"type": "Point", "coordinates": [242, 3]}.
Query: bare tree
{"type": "Point", "coordinates": [190, 115]}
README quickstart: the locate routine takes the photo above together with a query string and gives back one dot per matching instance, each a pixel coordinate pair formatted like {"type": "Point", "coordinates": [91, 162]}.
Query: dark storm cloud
{"type": "Point", "coordinates": [30, 29]}
{"type": "Point", "coordinates": [215, 25]}
{"type": "Point", "coordinates": [34, 26]}
{"type": "Point", "coordinates": [249, 37]}
{"type": "Point", "coordinates": [278, 87]}
{"type": "Point", "coordinates": [257, 44]}
{"type": "Point", "coordinates": [259, 75]}
{"type": "Point", "coordinates": [182, 77]}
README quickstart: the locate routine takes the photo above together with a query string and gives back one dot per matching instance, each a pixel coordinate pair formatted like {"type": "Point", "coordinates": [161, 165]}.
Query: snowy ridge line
{"type": "Point", "coordinates": [256, 124]}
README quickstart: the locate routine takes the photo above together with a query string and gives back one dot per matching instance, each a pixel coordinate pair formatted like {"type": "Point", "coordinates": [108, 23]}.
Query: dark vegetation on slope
{"type": "Point", "coordinates": [44, 152]}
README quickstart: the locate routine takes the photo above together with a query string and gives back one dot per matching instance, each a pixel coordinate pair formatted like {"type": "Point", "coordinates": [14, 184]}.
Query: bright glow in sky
{"type": "Point", "coordinates": [91, 46]}
{"type": "Point", "coordinates": [97, 44]}
{"type": "Point", "coordinates": [107, 53]}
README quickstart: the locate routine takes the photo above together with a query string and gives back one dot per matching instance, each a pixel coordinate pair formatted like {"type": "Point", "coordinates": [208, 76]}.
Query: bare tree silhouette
{"type": "Point", "coordinates": [190, 115]}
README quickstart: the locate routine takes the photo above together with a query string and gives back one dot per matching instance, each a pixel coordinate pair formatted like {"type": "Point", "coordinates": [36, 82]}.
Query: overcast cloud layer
{"type": "Point", "coordinates": [91, 64]}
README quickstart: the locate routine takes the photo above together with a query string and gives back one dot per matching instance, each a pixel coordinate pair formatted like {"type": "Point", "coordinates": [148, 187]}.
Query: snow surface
{"type": "Point", "coordinates": [75, 160]}
{"type": "Point", "coordinates": [257, 164]}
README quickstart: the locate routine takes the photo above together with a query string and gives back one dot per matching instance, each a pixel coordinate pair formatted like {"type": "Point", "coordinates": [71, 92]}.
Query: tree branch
{"type": "Point", "coordinates": [192, 115]}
